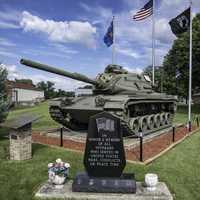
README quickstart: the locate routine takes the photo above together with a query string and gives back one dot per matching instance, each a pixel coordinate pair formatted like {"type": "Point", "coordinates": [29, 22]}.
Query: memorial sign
{"type": "Point", "coordinates": [104, 158]}
{"type": "Point", "coordinates": [104, 153]}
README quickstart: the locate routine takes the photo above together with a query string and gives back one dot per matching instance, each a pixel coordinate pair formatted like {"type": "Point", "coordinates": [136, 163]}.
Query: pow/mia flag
{"type": "Point", "coordinates": [181, 23]}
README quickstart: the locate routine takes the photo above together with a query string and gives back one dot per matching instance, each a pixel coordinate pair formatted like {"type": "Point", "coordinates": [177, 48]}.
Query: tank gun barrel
{"type": "Point", "coordinates": [61, 72]}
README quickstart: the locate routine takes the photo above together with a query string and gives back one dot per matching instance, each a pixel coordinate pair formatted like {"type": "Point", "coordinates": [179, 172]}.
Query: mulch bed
{"type": "Point", "coordinates": [151, 148]}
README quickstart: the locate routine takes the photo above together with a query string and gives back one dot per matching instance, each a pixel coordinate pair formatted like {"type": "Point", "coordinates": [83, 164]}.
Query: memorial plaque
{"type": "Point", "coordinates": [85, 183]}
{"type": "Point", "coordinates": [104, 152]}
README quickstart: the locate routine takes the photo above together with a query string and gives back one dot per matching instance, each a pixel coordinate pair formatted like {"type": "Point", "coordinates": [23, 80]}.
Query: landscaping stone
{"type": "Point", "coordinates": [48, 190]}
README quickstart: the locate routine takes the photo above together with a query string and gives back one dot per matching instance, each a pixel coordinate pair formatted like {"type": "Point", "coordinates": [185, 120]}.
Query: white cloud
{"type": "Point", "coordinates": [100, 15]}
{"type": "Point", "coordinates": [12, 71]}
{"type": "Point", "coordinates": [163, 32]}
{"type": "Point", "coordinates": [9, 19]}
{"type": "Point", "coordinates": [8, 25]}
{"type": "Point", "coordinates": [127, 52]}
{"type": "Point", "coordinates": [159, 55]}
{"type": "Point", "coordinates": [60, 82]}
{"type": "Point", "coordinates": [85, 7]}
{"type": "Point", "coordinates": [10, 15]}
{"type": "Point", "coordinates": [60, 31]}
{"type": "Point", "coordinates": [43, 52]}
{"type": "Point", "coordinates": [134, 70]}
{"type": "Point", "coordinates": [6, 42]}
{"type": "Point", "coordinates": [51, 49]}
{"type": "Point", "coordinates": [172, 3]}
{"type": "Point", "coordinates": [63, 49]}
{"type": "Point", "coordinates": [7, 53]}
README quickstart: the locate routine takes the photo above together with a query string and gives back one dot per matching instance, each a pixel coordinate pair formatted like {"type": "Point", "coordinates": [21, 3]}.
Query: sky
{"type": "Point", "coordinates": [68, 34]}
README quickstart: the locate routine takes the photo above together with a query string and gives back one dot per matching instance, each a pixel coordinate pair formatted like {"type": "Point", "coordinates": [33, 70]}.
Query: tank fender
{"type": "Point", "coordinates": [114, 105]}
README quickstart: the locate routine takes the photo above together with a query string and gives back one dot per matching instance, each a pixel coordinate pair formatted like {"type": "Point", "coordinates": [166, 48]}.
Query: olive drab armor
{"type": "Point", "coordinates": [129, 96]}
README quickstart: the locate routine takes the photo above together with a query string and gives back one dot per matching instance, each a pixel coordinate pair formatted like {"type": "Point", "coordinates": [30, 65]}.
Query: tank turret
{"type": "Point", "coordinates": [114, 80]}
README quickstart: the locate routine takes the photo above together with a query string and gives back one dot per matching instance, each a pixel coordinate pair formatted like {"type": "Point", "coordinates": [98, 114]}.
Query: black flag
{"type": "Point", "coordinates": [181, 23]}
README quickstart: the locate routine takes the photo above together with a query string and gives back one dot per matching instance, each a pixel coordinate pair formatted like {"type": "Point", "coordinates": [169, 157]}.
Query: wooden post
{"type": "Point", "coordinates": [190, 126]}
{"type": "Point", "coordinates": [141, 148]}
{"type": "Point", "coordinates": [61, 136]}
{"type": "Point", "coordinates": [173, 133]}
{"type": "Point", "coordinates": [197, 121]}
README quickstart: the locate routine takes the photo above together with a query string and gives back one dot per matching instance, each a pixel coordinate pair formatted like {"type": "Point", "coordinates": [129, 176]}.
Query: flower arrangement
{"type": "Point", "coordinates": [58, 172]}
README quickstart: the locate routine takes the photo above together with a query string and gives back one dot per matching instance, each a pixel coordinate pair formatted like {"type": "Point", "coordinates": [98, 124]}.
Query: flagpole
{"type": "Point", "coordinates": [153, 44]}
{"type": "Point", "coordinates": [113, 46]}
{"type": "Point", "coordinates": [190, 71]}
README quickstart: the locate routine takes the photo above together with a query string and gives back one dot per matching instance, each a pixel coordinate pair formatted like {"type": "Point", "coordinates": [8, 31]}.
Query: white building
{"type": "Point", "coordinates": [24, 93]}
{"type": "Point", "coordinates": [83, 92]}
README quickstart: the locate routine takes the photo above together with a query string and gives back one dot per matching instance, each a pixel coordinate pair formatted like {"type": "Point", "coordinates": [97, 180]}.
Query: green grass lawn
{"type": "Point", "coordinates": [44, 123]}
{"type": "Point", "coordinates": [181, 115]}
{"type": "Point", "coordinates": [179, 168]}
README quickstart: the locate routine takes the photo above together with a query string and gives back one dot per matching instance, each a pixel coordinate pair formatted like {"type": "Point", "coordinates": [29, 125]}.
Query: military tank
{"type": "Point", "coordinates": [129, 96]}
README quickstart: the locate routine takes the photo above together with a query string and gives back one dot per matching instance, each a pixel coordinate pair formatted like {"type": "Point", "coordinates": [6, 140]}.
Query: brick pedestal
{"type": "Point", "coordinates": [21, 143]}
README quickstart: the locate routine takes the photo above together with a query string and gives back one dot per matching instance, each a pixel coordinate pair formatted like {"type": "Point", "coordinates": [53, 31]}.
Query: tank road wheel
{"type": "Point", "coordinates": [157, 120]}
{"type": "Point", "coordinates": [143, 124]}
{"type": "Point", "coordinates": [134, 124]}
{"type": "Point", "coordinates": [167, 118]}
{"type": "Point", "coordinates": [150, 122]}
{"type": "Point", "coordinates": [162, 118]}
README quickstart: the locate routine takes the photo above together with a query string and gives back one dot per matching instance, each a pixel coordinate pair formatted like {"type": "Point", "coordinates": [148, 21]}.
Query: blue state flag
{"type": "Point", "coordinates": [108, 38]}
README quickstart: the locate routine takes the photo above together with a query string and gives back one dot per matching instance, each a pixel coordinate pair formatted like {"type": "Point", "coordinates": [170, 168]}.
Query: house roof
{"type": "Point", "coordinates": [27, 86]}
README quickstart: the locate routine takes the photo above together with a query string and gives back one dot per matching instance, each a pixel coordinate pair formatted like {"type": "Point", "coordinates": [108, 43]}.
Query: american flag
{"type": "Point", "coordinates": [144, 12]}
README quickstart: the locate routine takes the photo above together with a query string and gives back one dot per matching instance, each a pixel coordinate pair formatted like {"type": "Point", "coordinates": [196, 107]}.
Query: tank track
{"type": "Point", "coordinates": [130, 126]}
{"type": "Point", "coordinates": [147, 124]}
{"type": "Point", "coordinates": [145, 116]}
{"type": "Point", "coordinates": [58, 116]}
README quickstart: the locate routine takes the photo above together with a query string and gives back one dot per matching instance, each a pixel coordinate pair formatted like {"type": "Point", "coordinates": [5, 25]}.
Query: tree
{"type": "Point", "coordinates": [3, 95]}
{"type": "Point", "coordinates": [158, 72]}
{"type": "Point", "coordinates": [50, 92]}
{"type": "Point", "coordinates": [177, 59]}
{"type": "Point", "coordinates": [86, 87]}
{"type": "Point", "coordinates": [47, 87]}
{"type": "Point", "coordinates": [62, 93]}
{"type": "Point", "coordinates": [27, 81]}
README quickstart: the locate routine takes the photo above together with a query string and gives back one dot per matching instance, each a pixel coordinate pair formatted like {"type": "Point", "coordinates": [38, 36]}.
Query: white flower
{"type": "Point", "coordinates": [67, 165]}
{"type": "Point", "coordinates": [50, 165]}
{"type": "Point", "coordinates": [58, 160]}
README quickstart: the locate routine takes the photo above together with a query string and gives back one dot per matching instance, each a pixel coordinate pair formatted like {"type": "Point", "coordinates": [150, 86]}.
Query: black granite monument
{"type": "Point", "coordinates": [104, 158]}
